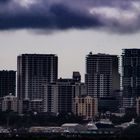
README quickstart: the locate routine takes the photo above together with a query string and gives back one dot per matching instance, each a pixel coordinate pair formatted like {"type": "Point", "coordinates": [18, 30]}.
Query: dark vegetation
{"type": "Point", "coordinates": [11, 119]}
{"type": "Point", "coordinates": [126, 118]}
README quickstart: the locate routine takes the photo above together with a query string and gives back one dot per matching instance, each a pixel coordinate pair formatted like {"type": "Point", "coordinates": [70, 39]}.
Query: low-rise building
{"type": "Point", "coordinates": [9, 103]}
{"type": "Point", "coordinates": [73, 127]}
{"type": "Point", "coordinates": [86, 107]}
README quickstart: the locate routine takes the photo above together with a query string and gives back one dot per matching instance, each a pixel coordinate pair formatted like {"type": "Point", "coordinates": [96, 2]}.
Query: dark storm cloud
{"type": "Point", "coordinates": [113, 15]}
{"type": "Point", "coordinates": [59, 17]}
{"type": "Point", "coordinates": [4, 1]}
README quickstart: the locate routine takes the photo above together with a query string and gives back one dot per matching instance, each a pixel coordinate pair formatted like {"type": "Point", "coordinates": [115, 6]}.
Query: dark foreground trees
{"type": "Point", "coordinates": [11, 119]}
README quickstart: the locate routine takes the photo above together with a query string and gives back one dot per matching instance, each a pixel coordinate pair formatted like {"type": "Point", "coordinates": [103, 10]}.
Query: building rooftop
{"type": "Point", "coordinates": [100, 54]}
{"type": "Point", "coordinates": [70, 124]}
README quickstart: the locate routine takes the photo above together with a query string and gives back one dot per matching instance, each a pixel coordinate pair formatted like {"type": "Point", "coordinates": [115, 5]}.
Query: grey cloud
{"type": "Point", "coordinates": [4, 1]}
{"type": "Point", "coordinates": [114, 15]}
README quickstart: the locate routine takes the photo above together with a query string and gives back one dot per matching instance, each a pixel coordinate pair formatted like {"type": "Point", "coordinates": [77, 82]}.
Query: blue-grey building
{"type": "Point", "coordinates": [7, 82]}
{"type": "Point", "coordinates": [130, 77]}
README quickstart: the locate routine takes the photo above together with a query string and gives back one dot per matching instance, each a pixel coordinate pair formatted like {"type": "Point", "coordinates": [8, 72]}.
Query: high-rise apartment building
{"type": "Point", "coordinates": [102, 75]}
{"type": "Point", "coordinates": [7, 82]}
{"type": "Point", "coordinates": [130, 77]}
{"type": "Point", "coordinates": [33, 72]}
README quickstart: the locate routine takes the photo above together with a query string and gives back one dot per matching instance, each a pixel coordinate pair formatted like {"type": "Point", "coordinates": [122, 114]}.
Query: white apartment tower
{"type": "Point", "coordinates": [102, 75]}
{"type": "Point", "coordinates": [33, 72]}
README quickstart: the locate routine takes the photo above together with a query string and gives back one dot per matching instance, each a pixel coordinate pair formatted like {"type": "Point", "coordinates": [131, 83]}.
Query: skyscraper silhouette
{"type": "Point", "coordinates": [33, 71]}
{"type": "Point", "coordinates": [102, 75]}
{"type": "Point", "coordinates": [7, 82]}
{"type": "Point", "coordinates": [130, 77]}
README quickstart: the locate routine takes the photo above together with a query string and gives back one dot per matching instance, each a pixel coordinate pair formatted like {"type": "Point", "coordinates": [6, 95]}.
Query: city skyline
{"type": "Point", "coordinates": [31, 26]}
{"type": "Point", "coordinates": [77, 62]}
{"type": "Point", "coordinates": [70, 69]}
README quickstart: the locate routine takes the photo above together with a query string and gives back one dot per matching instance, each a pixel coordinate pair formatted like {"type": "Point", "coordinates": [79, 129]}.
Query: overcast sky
{"type": "Point", "coordinates": [70, 29]}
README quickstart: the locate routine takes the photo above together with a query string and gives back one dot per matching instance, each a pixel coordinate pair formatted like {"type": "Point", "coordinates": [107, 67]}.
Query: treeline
{"type": "Point", "coordinates": [11, 119]}
{"type": "Point", "coordinates": [63, 138]}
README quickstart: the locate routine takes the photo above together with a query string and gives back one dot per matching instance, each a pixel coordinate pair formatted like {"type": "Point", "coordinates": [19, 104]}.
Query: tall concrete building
{"type": "Point", "coordinates": [33, 72]}
{"type": "Point", "coordinates": [102, 75]}
{"type": "Point", "coordinates": [130, 77]}
{"type": "Point", "coordinates": [7, 82]}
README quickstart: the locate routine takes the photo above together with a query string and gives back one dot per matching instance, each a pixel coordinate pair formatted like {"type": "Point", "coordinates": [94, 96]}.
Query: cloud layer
{"type": "Point", "coordinates": [113, 15]}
